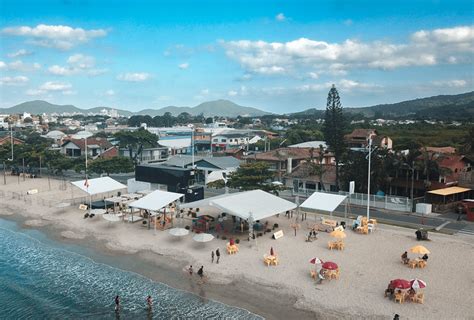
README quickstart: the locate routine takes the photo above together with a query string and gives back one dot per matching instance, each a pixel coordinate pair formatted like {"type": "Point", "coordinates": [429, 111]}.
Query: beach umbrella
{"type": "Point", "coordinates": [338, 234]}
{"type": "Point", "coordinates": [419, 249]}
{"type": "Point", "coordinates": [203, 237]}
{"type": "Point", "coordinates": [417, 284]}
{"type": "Point", "coordinates": [316, 261]}
{"type": "Point", "coordinates": [400, 284]}
{"type": "Point", "coordinates": [178, 232]}
{"type": "Point", "coordinates": [271, 251]}
{"type": "Point", "coordinates": [111, 217]}
{"type": "Point", "coordinates": [328, 265]}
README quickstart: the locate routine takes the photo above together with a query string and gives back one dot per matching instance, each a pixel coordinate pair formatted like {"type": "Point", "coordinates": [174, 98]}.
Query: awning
{"type": "Point", "coordinates": [323, 201]}
{"type": "Point", "coordinates": [449, 191]}
{"type": "Point", "coordinates": [99, 185]}
{"type": "Point", "coordinates": [155, 200]}
{"type": "Point", "coordinates": [258, 203]}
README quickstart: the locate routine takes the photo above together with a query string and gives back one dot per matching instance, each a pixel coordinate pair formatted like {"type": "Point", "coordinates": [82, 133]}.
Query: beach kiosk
{"type": "Point", "coordinates": [103, 185]}
{"type": "Point", "coordinates": [155, 202]}
{"type": "Point", "coordinates": [327, 203]}
{"type": "Point", "coordinates": [250, 206]}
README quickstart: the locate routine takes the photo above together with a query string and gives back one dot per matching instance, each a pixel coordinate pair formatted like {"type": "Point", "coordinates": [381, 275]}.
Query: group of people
{"type": "Point", "coordinates": [217, 255]}
{"type": "Point", "coordinates": [200, 272]}
{"type": "Point", "coordinates": [405, 258]}
{"type": "Point", "coordinates": [149, 303]}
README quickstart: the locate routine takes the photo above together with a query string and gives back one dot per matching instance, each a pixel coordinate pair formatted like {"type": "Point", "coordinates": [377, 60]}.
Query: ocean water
{"type": "Point", "coordinates": [43, 279]}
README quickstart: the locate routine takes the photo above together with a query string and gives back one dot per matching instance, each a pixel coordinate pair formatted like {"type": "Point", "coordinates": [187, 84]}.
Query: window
{"type": "Point", "coordinates": [224, 140]}
{"type": "Point", "coordinates": [215, 140]}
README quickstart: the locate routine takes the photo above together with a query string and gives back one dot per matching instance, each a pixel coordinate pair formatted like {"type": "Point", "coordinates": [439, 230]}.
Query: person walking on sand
{"type": "Point", "coordinates": [190, 270]}
{"type": "Point", "coordinates": [218, 255]}
{"type": "Point", "coordinates": [117, 303]}
{"type": "Point", "coordinates": [212, 256]}
{"type": "Point", "coordinates": [149, 302]}
{"type": "Point", "coordinates": [201, 272]}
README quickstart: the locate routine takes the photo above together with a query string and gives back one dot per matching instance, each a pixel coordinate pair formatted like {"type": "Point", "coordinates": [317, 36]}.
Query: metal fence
{"type": "Point", "coordinates": [360, 199]}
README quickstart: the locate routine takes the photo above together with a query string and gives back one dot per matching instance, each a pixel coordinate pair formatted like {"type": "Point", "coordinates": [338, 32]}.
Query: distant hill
{"type": "Point", "coordinates": [460, 106]}
{"type": "Point", "coordinates": [223, 108]}
{"type": "Point", "coordinates": [40, 106]}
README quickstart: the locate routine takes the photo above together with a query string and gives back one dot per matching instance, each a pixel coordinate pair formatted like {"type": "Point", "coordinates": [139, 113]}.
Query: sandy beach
{"type": "Point", "coordinates": [367, 264]}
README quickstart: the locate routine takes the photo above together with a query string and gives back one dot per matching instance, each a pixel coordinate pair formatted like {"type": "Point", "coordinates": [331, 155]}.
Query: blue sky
{"type": "Point", "coordinates": [279, 56]}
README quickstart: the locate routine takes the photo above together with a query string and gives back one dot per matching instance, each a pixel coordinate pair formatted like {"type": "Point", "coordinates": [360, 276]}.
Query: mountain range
{"type": "Point", "coordinates": [460, 106]}
{"type": "Point", "coordinates": [224, 108]}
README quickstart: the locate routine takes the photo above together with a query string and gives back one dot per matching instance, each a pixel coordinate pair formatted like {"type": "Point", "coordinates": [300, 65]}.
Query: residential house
{"type": "Point", "coordinates": [203, 165]}
{"type": "Point", "coordinates": [448, 170]}
{"type": "Point", "coordinates": [233, 138]}
{"type": "Point", "coordinates": [359, 138]}
{"type": "Point", "coordinates": [76, 147]}
{"type": "Point", "coordinates": [7, 140]}
{"type": "Point", "coordinates": [147, 155]}
{"type": "Point", "coordinates": [304, 179]}
{"type": "Point", "coordinates": [283, 160]}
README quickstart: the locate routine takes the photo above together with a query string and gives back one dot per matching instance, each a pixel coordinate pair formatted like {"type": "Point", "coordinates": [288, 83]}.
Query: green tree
{"type": "Point", "coordinates": [134, 141]}
{"type": "Point", "coordinates": [250, 176]}
{"type": "Point", "coordinates": [111, 165]}
{"type": "Point", "coordinates": [209, 120]}
{"type": "Point", "coordinates": [334, 128]}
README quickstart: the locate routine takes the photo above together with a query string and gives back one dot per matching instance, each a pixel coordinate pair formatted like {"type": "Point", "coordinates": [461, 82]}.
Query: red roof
{"type": "Point", "coordinates": [103, 143]}
{"type": "Point", "coordinates": [7, 139]}
{"type": "Point", "coordinates": [110, 153]}
{"type": "Point", "coordinates": [283, 154]}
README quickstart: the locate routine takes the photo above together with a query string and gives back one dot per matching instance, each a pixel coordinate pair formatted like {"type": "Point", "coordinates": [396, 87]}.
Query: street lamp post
{"type": "Point", "coordinates": [368, 180]}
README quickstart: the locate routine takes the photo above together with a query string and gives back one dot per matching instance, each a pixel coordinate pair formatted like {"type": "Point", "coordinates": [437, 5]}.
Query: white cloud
{"type": "Point", "coordinates": [205, 92]}
{"type": "Point", "coordinates": [280, 17]}
{"type": "Point", "coordinates": [55, 86]}
{"type": "Point", "coordinates": [426, 48]}
{"type": "Point", "coordinates": [110, 93]}
{"type": "Point", "coordinates": [35, 92]}
{"type": "Point", "coordinates": [313, 75]}
{"type": "Point", "coordinates": [50, 87]}
{"type": "Point", "coordinates": [61, 71]}
{"type": "Point", "coordinates": [14, 81]}
{"type": "Point", "coordinates": [348, 22]}
{"type": "Point", "coordinates": [19, 65]}
{"type": "Point", "coordinates": [232, 93]}
{"type": "Point", "coordinates": [183, 66]}
{"type": "Point", "coordinates": [59, 36]}
{"type": "Point", "coordinates": [451, 83]}
{"type": "Point", "coordinates": [77, 64]}
{"type": "Point", "coordinates": [19, 53]}
{"type": "Point", "coordinates": [134, 77]}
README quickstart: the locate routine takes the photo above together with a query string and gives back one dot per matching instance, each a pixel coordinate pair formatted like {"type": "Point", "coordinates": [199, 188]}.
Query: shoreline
{"type": "Point", "coordinates": [266, 303]}
{"type": "Point", "coordinates": [242, 280]}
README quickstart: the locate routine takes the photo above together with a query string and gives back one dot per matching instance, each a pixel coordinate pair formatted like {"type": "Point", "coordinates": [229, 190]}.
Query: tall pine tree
{"type": "Point", "coordinates": [334, 128]}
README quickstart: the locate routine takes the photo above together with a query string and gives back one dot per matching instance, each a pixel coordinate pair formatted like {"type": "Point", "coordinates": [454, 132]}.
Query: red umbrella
{"type": "Point", "coordinates": [417, 284]}
{"type": "Point", "coordinates": [400, 284]}
{"type": "Point", "coordinates": [329, 265]}
{"type": "Point", "coordinates": [271, 251]}
{"type": "Point", "coordinates": [316, 261]}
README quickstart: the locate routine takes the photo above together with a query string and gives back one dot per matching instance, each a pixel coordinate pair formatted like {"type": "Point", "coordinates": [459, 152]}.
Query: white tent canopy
{"type": "Point", "coordinates": [259, 203]}
{"type": "Point", "coordinates": [155, 200]}
{"type": "Point", "coordinates": [99, 185]}
{"type": "Point", "coordinates": [323, 201]}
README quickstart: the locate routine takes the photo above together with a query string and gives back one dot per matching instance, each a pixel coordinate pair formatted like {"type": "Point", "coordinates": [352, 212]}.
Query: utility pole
{"type": "Point", "coordinates": [368, 180]}
{"type": "Point", "coordinates": [4, 174]}
{"type": "Point", "coordinates": [40, 167]}
{"type": "Point", "coordinates": [23, 169]}
{"type": "Point", "coordinates": [412, 183]}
